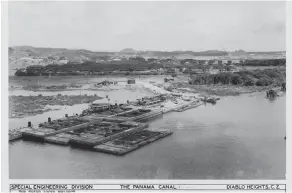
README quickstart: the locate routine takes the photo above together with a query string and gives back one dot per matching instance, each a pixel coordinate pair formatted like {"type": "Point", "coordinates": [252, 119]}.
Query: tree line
{"type": "Point", "coordinates": [257, 77]}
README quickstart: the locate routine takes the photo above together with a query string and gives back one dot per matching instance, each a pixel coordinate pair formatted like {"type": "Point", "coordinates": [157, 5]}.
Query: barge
{"type": "Point", "coordinates": [190, 106]}
{"type": "Point", "coordinates": [104, 132]}
{"type": "Point", "coordinates": [114, 129]}
{"type": "Point", "coordinates": [129, 143]}
{"type": "Point", "coordinates": [56, 127]}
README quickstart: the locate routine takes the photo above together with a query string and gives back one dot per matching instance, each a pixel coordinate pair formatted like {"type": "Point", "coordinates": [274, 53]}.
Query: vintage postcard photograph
{"type": "Point", "coordinates": [146, 90]}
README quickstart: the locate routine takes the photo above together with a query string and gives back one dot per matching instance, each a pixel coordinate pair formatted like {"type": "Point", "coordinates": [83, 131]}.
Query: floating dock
{"type": "Point", "coordinates": [128, 143]}
{"type": "Point", "coordinates": [54, 128]}
{"type": "Point", "coordinates": [108, 128]}
{"type": "Point", "coordinates": [59, 139]}
{"type": "Point", "coordinates": [104, 132]}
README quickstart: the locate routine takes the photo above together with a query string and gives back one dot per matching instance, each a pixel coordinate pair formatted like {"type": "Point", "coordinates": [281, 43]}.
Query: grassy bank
{"type": "Point", "coordinates": [21, 106]}
{"type": "Point", "coordinates": [221, 90]}
{"type": "Point", "coordinates": [36, 87]}
{"type": "Point", "coordinates": [266, 77]}
{"type": "Point", "coordinates": [228, 83]}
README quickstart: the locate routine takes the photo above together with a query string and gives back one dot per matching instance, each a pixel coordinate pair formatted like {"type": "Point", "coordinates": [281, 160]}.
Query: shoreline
{"type": "Point", "coordinates": [26, 106]}
{"type": "Point", "coordinates": [229, 90]}
{"type": "Point", "coordinates": [40, 104]}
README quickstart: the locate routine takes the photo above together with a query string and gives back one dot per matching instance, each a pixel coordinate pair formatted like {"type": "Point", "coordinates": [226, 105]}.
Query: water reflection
{"type": "Point", "coordinates": [272, 99]}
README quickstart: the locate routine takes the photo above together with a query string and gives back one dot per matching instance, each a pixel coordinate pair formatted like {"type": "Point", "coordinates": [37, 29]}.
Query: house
{"type": "Point", "coordinates": [176, 70]}
{"type": "Point", "coordinates": [63, 61]}
{"type": "Point", "coordinates": [170, 70]}
{"type": "Point", "coordinates": [224, 61]}
{"type": "Point", "coordinates": [236, 61]}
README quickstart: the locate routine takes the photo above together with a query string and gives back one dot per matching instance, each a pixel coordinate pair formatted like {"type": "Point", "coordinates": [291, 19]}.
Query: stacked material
{"type": "Point", "coordinates": [141, 114]}
{"type": "Point", "coordinates": [189, 106]}
{"type": "Point", "coordinates": [128, 143]}
{"type": "Point", "coordinates": [102, 134]}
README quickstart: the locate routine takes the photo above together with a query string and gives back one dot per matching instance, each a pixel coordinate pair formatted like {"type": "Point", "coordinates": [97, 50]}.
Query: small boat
{"type": "Point", "coordinates": [213, 101]}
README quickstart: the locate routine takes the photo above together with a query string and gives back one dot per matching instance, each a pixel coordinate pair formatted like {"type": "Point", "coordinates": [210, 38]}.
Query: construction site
{"type": "Point", "coordinates": [109, 128]}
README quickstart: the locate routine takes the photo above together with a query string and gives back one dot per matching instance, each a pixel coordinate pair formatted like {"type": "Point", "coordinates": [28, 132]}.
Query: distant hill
{"type": "Point", "coordinates": [45, 52]}
{"type": "Point", "coordinates": [182, 54]}
{"type": "Point", "coordinates": [33, 51]}
{"type": "Point", "coordinates": [22, 56]}
{"type": "Point", "coordinates": [128, 50]}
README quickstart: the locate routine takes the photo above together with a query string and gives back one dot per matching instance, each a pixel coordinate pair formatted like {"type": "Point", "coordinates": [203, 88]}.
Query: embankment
{"type": "Point", "coordinates": [22, 106]}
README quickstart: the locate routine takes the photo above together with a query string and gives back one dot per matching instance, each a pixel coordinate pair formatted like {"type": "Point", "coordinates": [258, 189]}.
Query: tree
{"type": "Point", "coordinates": [236, 79]}
{"type": "Point", "coordinates": [248, 80]}
{"type": "Point", "coordinates": [228, 68]}
{"type": "Point", "coordinates": [263, 82]}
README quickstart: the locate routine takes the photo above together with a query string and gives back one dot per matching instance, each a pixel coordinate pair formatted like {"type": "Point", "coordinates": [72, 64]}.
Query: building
{"type": "Point", "coordinates": [235, 61]}
{"type": "Point", "coordinates": [131, 81]}
{"type": "Point", "coordinates": [224, 61]}
{"type": "Point", "coordinates": [170, 70]}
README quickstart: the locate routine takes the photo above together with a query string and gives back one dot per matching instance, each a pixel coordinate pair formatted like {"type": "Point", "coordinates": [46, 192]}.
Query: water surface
{"type": "Point", "coordinates": [241, 137]}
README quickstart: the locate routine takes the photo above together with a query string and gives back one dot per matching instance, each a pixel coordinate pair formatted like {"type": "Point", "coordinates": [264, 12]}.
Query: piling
{"type": "Point", "coordinates": [49, 120]}
{"type": "Point", "coordinates": [66, 115]}
{"type": "Point", "coordinates": [29, 124]}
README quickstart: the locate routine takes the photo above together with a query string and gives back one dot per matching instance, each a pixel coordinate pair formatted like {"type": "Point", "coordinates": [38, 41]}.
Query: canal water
{"type": "Point", "coordinates": [240, 137]}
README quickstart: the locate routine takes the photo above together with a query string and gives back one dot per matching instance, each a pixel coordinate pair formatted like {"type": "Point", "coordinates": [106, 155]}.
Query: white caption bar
{"type": "Point", "coordinates": [93, 187]}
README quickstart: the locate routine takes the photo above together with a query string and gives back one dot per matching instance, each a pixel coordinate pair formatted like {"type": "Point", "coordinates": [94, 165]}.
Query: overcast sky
{"type": "Point", "coordinates": [112, 26]}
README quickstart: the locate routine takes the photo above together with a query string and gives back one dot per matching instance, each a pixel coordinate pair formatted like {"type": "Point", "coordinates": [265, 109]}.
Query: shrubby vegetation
{"type": "Point", "coordinates": [257, 77]}
{"type": "Point", "coordinates": [271, 62]}
{"type": "Point", "coordinates": [50, 87]}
